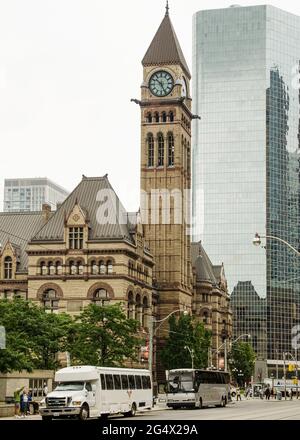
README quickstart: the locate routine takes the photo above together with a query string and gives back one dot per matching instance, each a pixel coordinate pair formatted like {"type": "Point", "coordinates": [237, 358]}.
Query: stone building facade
{"type": "Point", "coordinates": [92, 250]}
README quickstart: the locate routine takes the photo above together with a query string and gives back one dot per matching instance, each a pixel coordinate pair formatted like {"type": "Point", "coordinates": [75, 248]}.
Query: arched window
{"type": "Point", "coordinates": [50, 300]}
{"type": "Point", "coordinates": [8, 268]}
{"type": "Point", "coordinates": [149, 117]}
{"type": "Point", "coordinates": [102, 267]}
{"type": "Point", "coordinates": [171, 150]}
{"type": "Point", "coordinates": [171, 117]}
{"type": "Point", "coordinates": [188, 158]}
{"type": "Point", "coordinates": [130, 306]}
{"type": "Point", "coordinates": [51, 268]}
{"type": "Point", "coordinates": [101, 297]}
{"type": "Point", "coordinates": [109, 267]}
{"type": "Point", "coordinates": [139, 309]}
{"type": "Point", "coordinates": [58, 268]}
{"type": "Point", "coordinates": [95, 268]}
{"type": "Point", "coordinates": [80, 268]}
{"type": "Point", "coordinates": [44, 269]}
{"type": "Point", "coordinates": [205, 317]}
{"type": "Point", "coordinates": [150, 142]}
{"type": "Point", "coordinates": [161, 150]}
{"type": "Point", "coordinates": [73, 268]}
{"type": "Point", "coordinates": [145, 311]}
{"type": "Point", "coordinates": [164, 117]}
{"type": "Point", "coordinates": [156, 116]}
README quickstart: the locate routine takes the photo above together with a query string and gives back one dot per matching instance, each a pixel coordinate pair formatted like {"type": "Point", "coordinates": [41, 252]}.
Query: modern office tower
{"type": "Point", "coordinates": [246, 161]}
{"type": "Point", "coordinates": [31, 194]}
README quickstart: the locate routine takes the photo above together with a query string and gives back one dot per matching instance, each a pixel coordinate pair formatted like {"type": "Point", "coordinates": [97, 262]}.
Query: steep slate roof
{"type": "Point", "coordinates": [205, 271]}
{"type": "Point", "coordinates": [86, 194]}
{"type": "Point", "coordinates": [165, 48]}
{"type": "Point", "coordinates": [18, 228]}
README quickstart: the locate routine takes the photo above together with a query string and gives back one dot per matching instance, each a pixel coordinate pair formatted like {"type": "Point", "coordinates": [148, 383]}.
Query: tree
{"type": "Point", "coordinates": [185, 332]}
{"type": "Point", "coordinates": [103, 336]}
{"type": "Point", "coordinates": [242, 362]}
{"type": "Point", "coordinates": [33, 337]}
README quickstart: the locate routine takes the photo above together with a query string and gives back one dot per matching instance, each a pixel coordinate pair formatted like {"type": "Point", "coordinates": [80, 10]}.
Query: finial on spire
{"type": "Point", "coordinates": [167, 8]}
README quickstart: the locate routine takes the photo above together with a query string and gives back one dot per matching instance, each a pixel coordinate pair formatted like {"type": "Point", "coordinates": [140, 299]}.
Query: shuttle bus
{"type": "Point", "coordinates": [87, 391]}
{"type": "Point", "coordinates": [197, 388]}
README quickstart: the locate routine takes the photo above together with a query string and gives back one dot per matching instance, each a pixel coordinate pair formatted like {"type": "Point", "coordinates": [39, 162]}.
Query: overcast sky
{"type": "Point", "coordinates": [68, 69]}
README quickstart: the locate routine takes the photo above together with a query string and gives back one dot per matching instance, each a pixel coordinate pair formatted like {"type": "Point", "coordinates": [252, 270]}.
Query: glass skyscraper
{"type": "Point", "coordinates": [246, 161]}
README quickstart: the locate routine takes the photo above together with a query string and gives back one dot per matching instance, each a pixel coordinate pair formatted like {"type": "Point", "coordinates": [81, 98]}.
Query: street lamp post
{"type": "Point", "coordinates": [152, 332]}
{"type": "Point", "coordinates": [191, 351]}
{"type": "Point", "coordinates": [258, 237]}
{"type": "Point", "coordinates": [284, 377]}
{"type": "Point", "coordinates": [225, 348]}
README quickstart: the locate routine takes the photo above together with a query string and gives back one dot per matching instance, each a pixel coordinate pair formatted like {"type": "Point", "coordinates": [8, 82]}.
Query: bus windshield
{"type": "Point", "coordinates": [70, 386]}
{"type": "Point", "coordinates": [181, 382]}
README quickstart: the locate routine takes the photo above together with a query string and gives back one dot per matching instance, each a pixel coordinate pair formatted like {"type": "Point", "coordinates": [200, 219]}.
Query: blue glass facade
{"type": "Point", "coordinates": [246, 163]}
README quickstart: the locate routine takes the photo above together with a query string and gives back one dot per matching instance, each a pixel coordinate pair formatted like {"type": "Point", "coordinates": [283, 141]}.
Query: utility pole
{"type": "Point", "coordinates": [225, 356]}
{"type": "Point", "coordinates": [284, 372]}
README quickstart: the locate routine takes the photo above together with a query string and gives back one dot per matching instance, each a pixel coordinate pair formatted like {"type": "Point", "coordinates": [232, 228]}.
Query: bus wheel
{"type": "Point", "coordinates": [84, 412]}
{"type": "Point", "coordinates": [132, 412]}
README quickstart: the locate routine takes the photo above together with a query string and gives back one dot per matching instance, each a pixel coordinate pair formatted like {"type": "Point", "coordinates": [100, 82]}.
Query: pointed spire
{"type": "Point", "coordinates": [167, 8]}
{"type": "Point", "coordinates": [165, 48]}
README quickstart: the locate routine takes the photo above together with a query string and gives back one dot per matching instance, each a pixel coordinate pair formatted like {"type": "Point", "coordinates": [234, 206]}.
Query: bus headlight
{"type": "Point", "coordinates": [76, 403]}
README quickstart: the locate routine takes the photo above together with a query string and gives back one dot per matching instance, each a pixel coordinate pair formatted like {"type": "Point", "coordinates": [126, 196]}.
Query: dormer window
{"type": "Point", "coordinates": [8, 268]}
{"type": "Point", "coordinates": [76, 238]}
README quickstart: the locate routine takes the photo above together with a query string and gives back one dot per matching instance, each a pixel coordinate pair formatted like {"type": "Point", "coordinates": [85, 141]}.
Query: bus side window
{"type": "Point", "coordinates": [148, 382]}
{"type": "Point", "coordinates": [124, 379]}
{"type": "Point", "coordinates": [103, 384]}
{"type": "Point", "coordinates": [109, 381]}
{"type": "Point", "coordinates": [117, 382]}
{"type": "Point", "coordinates": [144, 382]}
{"type": "Point", "coordinates": [88, 386]}
{"type": "Point", "coordinates": [138, 381]}
{"type": "Point", "coordinates": [131, 382]}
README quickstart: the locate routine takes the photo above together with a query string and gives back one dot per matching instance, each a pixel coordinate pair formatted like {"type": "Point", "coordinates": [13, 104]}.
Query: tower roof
{"type": "Point", "coordinates": [165, 47]}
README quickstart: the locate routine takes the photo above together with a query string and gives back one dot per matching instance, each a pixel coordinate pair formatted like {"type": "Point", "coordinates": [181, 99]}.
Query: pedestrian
{"type": "Point", "coordinates": [267, 393]}
{"type": "Point", "coordinates": [238, 394]}
{"type": "Point", "coordinates": [45, 389]}
{"type": "Point", "coordinates": [24, 403]}
{"type": "Point", "coordinates": [17, 397]}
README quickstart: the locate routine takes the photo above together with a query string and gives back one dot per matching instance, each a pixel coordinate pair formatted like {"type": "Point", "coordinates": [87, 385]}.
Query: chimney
{"type": "Point", "coordinates": [46, 210]}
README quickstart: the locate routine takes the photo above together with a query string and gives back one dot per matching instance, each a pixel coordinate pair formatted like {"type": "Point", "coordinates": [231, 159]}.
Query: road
{"type": "Point", "coordinates": [246, 410]}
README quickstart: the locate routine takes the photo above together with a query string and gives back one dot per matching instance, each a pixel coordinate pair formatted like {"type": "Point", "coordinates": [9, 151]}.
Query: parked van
{"type": "Point", "coordinates": [87, 391]}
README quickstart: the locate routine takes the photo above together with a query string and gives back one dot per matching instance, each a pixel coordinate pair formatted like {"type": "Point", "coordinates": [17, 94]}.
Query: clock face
{"type": "Point", "coordinates": [161, 83]}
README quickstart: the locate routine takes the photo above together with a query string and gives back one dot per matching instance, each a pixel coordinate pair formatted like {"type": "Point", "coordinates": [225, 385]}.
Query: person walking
{"type": "Point", "coordinates": [45, 389]}
{"type": "Point", "coordinates": [17, 398]}
{"type": "Point", "coordinates": [24, 403]}
{"type": "Point", "coordinates": [238, 394]}
{"type": "Point", "coordinates": [267, 393]}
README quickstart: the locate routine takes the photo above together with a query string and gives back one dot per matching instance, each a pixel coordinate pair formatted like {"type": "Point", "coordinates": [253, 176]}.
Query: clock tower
{"type": "Point", "coordinates": [166, 168]}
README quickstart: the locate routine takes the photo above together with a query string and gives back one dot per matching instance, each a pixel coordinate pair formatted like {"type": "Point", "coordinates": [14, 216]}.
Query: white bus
{"type": "Point", "coordinates": [86, 391]}
{"type": "Point", "coordinates": [197, 388]}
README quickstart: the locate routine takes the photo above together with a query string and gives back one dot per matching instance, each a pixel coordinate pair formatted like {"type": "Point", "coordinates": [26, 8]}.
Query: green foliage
{"type": "Point", "coordinates": [103, 336]}
{"type": "Point", "coordinates": [242, 362]}
{"type": "Point", "coordinates": [33, 337]}
{"type": "Point", "coordinates": [185, 332]}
